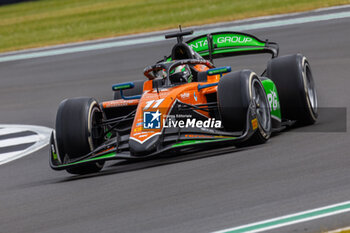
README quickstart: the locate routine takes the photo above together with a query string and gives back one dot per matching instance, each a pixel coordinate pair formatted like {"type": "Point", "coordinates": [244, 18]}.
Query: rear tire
{"type": "Point", "coordinates": [236, 91]}
{"type": "Point", "coordinates": [137, 90]}
{"type": "Point", "coordinates": [296, 87]}
{"type": "Point", "coordinates": [76, 133]}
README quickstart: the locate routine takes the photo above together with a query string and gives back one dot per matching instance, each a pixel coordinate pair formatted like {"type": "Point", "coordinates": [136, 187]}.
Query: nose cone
{"type": "Point", "coordinates": [138, 148]}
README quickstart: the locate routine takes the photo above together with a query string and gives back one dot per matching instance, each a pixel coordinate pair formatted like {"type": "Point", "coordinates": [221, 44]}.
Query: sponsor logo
{"type": "Point", "coordinates": [234, 39]}
{"type": "Point", "coordinates": [154, 95]}
{"type": "Point", "coordinates": [143, 134]}
{"type": "Point", "coordinates": [199, 44]}
{"type": "Point", "coordinates": [255, 123]}
{"type": "Point", "coordinates": [119, 103]}
{"type": "Point", "coordinates": [194, 96]}
{"type": "Point", "coordinates": [185, 95]}
{"type": "Point", "coordinates": [138, 129]}
{"type": "Point", "coordinates": [272, 98]}
{"type": "Point", "coordinates": [151, 120]}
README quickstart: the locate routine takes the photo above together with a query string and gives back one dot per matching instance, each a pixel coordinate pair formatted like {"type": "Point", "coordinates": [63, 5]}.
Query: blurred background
{"type": "Point", "coordinates": [29, 24]}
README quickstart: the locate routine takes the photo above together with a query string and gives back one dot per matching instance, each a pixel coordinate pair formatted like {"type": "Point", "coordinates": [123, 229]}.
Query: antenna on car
{"type": "Point", "coordinates": [179, 35]}
{"type": "Point", "coordinates": [210, 47]}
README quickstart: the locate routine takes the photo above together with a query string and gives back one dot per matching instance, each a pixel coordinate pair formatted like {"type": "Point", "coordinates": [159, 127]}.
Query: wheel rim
{"type": "Point", "coordinates": [310, 88]}
{"type": "Point", "coordinates": [262, 107]}
{"type": "Point", "coordinates": [96, 131]}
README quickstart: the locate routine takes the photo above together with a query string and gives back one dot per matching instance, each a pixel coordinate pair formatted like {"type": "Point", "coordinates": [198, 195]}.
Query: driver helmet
{"type": "Point", "coordinates": [160, 73]}
{"type": "Point", "coordinates": [181, 74]}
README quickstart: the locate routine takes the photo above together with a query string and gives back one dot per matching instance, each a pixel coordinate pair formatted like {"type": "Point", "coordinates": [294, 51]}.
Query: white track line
{"type": "Point", "coordinates": [7, 156]}
{"type": "Point", "coordinates": [5, 131]}
{"type": "Point", "coordinates": [339, 230]}
{"type": "Point", "coordinates": [291, 219]}
{"type": "Point", "coordinates": [42, 138]}
{"type": "Point", "coordinates": [20, 140]}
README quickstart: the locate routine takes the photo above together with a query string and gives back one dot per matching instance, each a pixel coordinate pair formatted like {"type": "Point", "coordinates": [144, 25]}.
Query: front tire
{"type": "Point", "coordinates": [237, 92]}
{"type": "Point", "coordinates": [77, 133]}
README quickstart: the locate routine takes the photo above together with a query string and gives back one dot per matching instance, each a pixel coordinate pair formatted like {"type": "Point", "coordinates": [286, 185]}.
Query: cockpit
{"type": "Point", "coordinates": [178, 72]}
{"type": "Point", "coordinates": [184, 65]}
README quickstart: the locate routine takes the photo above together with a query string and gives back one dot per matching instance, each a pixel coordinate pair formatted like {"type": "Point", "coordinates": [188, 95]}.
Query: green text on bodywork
{"type": "Point", "coordinates": [272, 97]}
{"type": "Point", "coordinates": [226, 42]}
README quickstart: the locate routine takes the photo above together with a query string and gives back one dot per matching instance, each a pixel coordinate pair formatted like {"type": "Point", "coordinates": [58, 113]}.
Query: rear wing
{"type": "Point", "coordinates": [225, 44]}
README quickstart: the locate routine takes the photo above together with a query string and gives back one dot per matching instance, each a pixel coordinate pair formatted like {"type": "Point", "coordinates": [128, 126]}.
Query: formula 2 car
{"type": "Point", "coordinates": [186, 104]}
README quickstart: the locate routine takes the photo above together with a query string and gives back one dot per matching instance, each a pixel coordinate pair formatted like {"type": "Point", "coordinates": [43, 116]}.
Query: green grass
{"type": "Point", "coordinates": [49, 22]}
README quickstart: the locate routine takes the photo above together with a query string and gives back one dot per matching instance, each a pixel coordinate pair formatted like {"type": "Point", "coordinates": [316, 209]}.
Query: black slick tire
{"type": "Point", "coordinates": [296, 88]}
{"type": "Point", "coordinates": [76, 133]}
{"type": "Point", "coordinates": [236, 92]}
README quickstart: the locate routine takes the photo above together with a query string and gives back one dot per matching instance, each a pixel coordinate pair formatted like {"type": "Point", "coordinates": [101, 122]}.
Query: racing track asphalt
{"type": "Point", "coordinates": [294, 171]}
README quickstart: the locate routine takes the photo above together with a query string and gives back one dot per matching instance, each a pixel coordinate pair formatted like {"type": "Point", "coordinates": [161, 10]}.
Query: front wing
{"type": "Point", "coordinates": [177, 141]}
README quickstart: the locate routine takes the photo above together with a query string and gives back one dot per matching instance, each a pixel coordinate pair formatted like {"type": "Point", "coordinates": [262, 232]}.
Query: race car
{"type": "Point", "coordinates": [187, 104]}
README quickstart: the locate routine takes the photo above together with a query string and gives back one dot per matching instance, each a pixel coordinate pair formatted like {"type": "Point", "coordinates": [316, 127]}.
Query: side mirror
{"type": "Point", "coordinates": [219, 70]}
{"type": "Point", "coordinates": [123, 86]}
